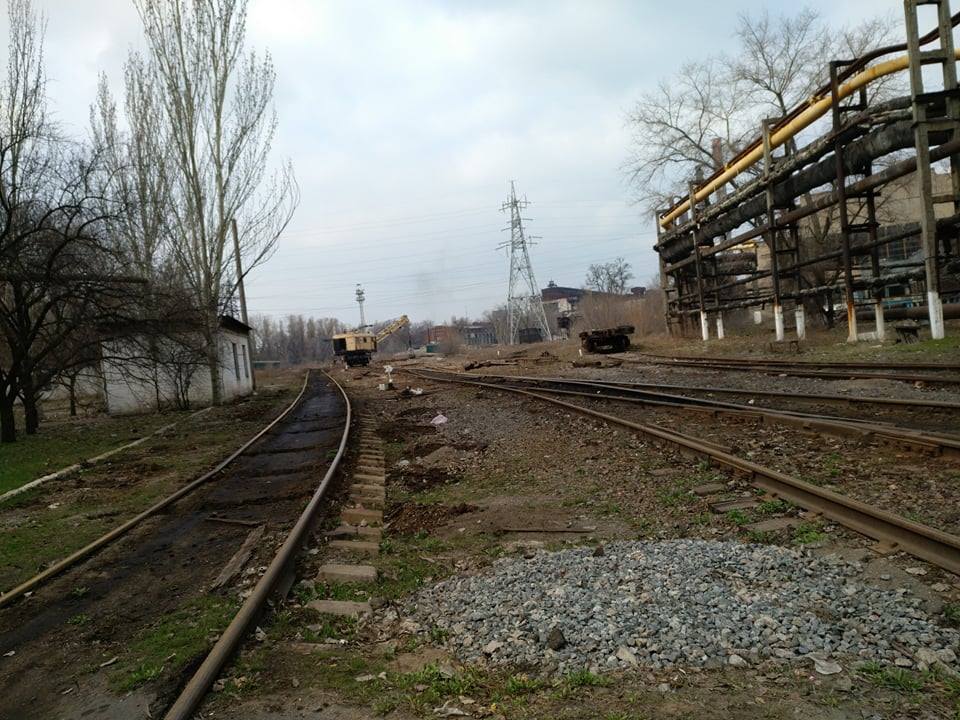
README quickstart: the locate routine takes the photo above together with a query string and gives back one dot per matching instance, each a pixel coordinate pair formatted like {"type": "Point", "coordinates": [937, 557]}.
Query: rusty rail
{"type": "Point", "coordinates": [199, 684]}
{"type": "Point", "coordinates": [800, 371]}
{"type": "Point", "coordinates": [907, 438]}
{"type": "Point", "coordinates": [104, 540]}
{"type": "Point", "coordinates": [922, 541]}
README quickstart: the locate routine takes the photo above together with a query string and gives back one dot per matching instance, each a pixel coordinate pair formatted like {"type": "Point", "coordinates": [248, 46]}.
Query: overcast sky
{"type": "Point", "coordinates": [406, 121]}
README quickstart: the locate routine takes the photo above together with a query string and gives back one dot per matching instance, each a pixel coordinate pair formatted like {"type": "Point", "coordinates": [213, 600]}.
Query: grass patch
{"type": "Point", "coordinates": [761, 537]}
{"type": "Point", "coordinates": [522, 684]}
{"type": "Point", "coordinates": [831, 463]}
{"type": "Point", "coordinates": [951, 611]}
{"type": "Point", "coordinates": [737, 517]}
{"type": "Point", "coordinates": [893, 678]}
{"type": "Point", "coordinates": [772, 507]}
{"type": "Point", "coordinates": [676, 497]}
{"type": "Point", "coordinates": [58, 445]}
{"type": "Point", "coordinates": [808, 533]}
{"type": "Point", "coordinates": [174, 640]}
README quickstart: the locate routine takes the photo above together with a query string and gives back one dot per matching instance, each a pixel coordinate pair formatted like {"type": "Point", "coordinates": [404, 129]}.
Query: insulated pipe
{"type": "Point", "coordinates": [817, 108]}
{"type": "Point", "coordinates": [951, 311]}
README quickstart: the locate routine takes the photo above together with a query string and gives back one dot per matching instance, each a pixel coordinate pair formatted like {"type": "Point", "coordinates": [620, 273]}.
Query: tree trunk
{"type": "Point", "coordinates": [213, 362]}
{"type": "Point", "coordinates": [31, 414]}
{"type": "Point", "coordinates": [8, 425]}
{"type": "Point", "coordinates": [73, 396]}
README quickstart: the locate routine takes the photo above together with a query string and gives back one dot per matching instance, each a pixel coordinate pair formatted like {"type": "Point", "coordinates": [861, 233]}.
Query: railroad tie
{"type": "Point", "coordinates": [739, 504]}
{"type": "Point", "coordinates": [359, 533]}
{"type": "Point", "coordinates": [343, 608]}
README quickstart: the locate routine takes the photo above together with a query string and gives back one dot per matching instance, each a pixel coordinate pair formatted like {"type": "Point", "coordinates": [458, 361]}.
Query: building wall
{"type": "Point", "coordinates": [129, 386]}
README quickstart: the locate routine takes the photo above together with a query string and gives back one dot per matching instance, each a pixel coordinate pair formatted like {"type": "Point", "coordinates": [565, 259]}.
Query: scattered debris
{"type": "Point", "coordinates": [556, 640]}
{"type": "Point", "coordinates": [824, 665]}
{"type": "Point", "coordinates": [439, 420]}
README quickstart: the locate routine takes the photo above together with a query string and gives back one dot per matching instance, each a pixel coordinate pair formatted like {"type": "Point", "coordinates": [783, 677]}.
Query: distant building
{"type": "Point", "coordinates": [135, 383]}
{"type": "Point", "coordinates": [441, 334]}
{"type": "Point", "coordinates": [479, 334]}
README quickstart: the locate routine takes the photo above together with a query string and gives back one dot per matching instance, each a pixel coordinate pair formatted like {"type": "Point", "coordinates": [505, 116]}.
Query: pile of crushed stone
{"type": "Point", "coordinates": [679, 602]}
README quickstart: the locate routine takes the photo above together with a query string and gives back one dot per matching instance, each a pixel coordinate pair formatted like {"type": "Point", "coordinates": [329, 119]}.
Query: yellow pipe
{"type": "Point", "coordinates": [817, 108]}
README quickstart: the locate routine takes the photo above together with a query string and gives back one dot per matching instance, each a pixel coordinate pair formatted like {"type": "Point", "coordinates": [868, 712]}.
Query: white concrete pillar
{"type": "Point", "coordinates": [801, 320]}
{"type": "Point", "coordinates": [879, 321]}
{"type": "Point", "coordinates": [720, 326]}
{"type": "Point", "coordinates": [935, 309]}
{"type": "Point", "coordinates": [778, 321]}
{"type": "Point", "coordinates": [852, 336]}
{"type": "Point", "coordinates": [757, 317]}
{"type": "Point", "coordinates": [704, 325]}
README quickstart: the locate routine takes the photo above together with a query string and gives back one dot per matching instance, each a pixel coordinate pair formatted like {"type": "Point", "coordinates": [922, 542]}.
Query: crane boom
{"type": "Point", "coordinates": [392, 328]}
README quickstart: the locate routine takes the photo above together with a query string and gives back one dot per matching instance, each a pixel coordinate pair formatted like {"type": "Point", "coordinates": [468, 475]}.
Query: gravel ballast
{"type": "Point", "coordinates": [680, 603]}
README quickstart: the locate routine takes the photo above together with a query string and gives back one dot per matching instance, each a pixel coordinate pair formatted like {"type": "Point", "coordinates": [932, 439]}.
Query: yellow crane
{"type": "Point", "coordinates": [390, 329]}
{"type": "Point", "coordinates": [357, 346]}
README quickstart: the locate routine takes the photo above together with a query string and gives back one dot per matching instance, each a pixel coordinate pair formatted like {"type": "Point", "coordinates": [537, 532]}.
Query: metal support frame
{"type": "Point", "coordinates": [702, 232]}
{"type": "Point", "coordinates": [770, 236]}
{"type": "Point", "coordinates": [924, 123]}
{"type": "Point", "coordinates": [704, 323]}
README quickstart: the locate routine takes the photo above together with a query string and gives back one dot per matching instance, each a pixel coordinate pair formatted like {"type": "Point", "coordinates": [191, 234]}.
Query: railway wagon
{"type": "Point", "coordinates": [608, 340]}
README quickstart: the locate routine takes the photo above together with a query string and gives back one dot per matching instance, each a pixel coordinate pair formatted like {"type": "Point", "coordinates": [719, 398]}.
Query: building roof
{"type": "Point", "coordinates": [228, 322]}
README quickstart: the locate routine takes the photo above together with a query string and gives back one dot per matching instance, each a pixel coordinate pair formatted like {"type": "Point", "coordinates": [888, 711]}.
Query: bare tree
{"type": "Point", "coordinates": [781, 60]}
{"type": "Point", "coordinates": [60, 276]}
{"type": "Point", "coordinates": [499, 319]}
{"type": "Point", "coordinates": [140, 161]}
{"type": "Point", "coordinates": [220, 123]}
{"type": "Point", "coordinates": [611, 277]}
{"type": "Point", "coordinates": [674, 128]}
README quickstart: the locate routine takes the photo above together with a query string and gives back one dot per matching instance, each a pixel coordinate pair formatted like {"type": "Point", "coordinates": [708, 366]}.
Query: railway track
{"type": "Point", "coordinates": [265, 484]}
{"type": "Point", "coordinates": [909, 439]}
{"type": "Point", "coordinates": [928, 373]}
{"type": "Point", "coordinates": [892, 531]}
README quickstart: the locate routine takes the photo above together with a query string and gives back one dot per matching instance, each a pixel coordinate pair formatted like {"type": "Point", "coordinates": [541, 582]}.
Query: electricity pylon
{"type": "Point", "coordinates": [524, 303]}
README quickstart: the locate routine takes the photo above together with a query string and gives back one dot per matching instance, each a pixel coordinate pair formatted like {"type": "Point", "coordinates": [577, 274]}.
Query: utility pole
{"type": "Point", "coordinates": [243, 298]}
{"type": "Point", "coordinates": [524, 303]}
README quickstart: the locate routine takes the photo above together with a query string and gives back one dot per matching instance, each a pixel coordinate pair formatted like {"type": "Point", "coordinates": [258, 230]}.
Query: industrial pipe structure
{"type": "Point", "coordinates": [756, 245]}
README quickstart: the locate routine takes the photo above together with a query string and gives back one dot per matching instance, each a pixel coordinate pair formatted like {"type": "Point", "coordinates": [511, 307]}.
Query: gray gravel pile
{"type": "Point", "coordinates": [680, 602]}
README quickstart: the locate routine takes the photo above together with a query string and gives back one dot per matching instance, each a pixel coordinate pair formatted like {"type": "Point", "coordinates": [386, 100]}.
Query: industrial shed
{"type": "Point", "coordinates": [173, 373]}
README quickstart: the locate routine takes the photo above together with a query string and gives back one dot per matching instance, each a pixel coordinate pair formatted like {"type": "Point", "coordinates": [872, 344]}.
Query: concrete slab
{"type": "Point", "coordinates": [371, 489]}
{"type": "Point", "coordinates": [367, 501]}
{"type": "Point", "coordinates": [344, 608]}
{"type": "Point", "coordinates": [361, 547]}
{"type": "Point", "coordinates": [364, 531]}
{"type": "Point", "coordinates": [355, 516]}
{"type": "Point", "coordinates": [368, 479]}
{"type": "Point", "coordinates": [348, 573]}
{"type": "Point", "coordinates": [739, 504]}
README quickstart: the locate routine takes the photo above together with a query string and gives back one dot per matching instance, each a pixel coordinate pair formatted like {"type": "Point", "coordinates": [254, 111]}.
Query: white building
{"type": "Point", "coordinates": [133, 385]}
